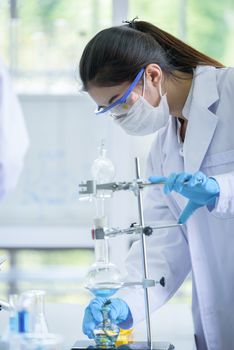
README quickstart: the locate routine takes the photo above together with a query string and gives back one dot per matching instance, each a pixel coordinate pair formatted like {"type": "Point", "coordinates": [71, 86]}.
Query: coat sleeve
{"type": "Point", "coordinates": [225, 203]}
{"type": "Point", "coordinates": [13, 135]}
{"type": "Point", "coordinates": [167, 253]}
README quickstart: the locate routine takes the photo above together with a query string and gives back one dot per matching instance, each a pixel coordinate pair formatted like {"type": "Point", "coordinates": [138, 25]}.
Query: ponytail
{"type": "Point", "coordinates": [181, 55]}
{"type": "Point", "coordinates": [115, 55]}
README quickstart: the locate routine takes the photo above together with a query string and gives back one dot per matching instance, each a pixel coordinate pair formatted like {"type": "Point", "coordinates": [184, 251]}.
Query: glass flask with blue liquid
{"type": "Point", "coordinates": [31, 315]}
{"type": "Point", "coordinates": [103, 278]}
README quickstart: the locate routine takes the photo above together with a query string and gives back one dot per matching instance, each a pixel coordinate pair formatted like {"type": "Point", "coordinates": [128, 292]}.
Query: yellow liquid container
{"type": "Point", "coordinates": [125, 337]}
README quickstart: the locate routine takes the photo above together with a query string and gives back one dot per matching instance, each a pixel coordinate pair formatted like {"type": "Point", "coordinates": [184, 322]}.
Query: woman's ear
{"type": "Point", "coordinates": [153, 73]}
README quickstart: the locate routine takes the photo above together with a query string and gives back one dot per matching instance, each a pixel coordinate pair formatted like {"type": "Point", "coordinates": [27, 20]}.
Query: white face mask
{"type": "Point", "coordinates": [144, 119]}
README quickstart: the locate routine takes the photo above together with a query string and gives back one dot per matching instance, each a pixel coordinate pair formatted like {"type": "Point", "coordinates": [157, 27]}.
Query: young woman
{"type": "Point", "coordinates": [151, 82]}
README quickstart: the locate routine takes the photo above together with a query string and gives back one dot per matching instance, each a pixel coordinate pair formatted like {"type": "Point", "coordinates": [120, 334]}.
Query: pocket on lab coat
{"type": "Point", "coordinates": [218, 163]}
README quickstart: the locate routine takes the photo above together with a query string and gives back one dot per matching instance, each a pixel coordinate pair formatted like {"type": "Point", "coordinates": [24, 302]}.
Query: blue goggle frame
{"type": "Point", "coordinates": [122, 99]}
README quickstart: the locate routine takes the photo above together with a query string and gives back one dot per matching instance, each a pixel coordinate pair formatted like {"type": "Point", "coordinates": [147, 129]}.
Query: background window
{"type": "Point", "coordinates": [42, 40]}
{"type": "Point", "coordinates": [206, 25]}
{"type": "Point", "coordinates": [59, 272]}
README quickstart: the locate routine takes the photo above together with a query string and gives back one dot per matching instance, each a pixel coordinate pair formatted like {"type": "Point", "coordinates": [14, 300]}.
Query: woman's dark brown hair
{"type": "Point", "coordinates": [115, 55]}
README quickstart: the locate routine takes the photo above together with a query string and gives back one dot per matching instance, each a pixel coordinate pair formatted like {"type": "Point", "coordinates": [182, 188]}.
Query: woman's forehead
{"type": "Point", "coordinates": [104, 95]}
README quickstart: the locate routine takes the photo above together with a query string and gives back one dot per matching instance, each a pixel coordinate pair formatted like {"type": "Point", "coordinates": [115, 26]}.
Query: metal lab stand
{"type": "Point", "coordinates": [136, 186]}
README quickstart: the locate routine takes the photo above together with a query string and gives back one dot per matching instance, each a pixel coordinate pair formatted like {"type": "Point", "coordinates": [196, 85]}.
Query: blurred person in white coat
{"type": "Point", "coordinates": [151, 82]}
{"type": "Point", "coordinates": [13, 134]}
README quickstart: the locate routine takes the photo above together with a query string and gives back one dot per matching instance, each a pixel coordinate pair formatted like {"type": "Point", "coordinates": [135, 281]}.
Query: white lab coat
{"type": "Point", "coordinates": [205, 244]}
{"type": "Point", "coordinates": [13, 134]}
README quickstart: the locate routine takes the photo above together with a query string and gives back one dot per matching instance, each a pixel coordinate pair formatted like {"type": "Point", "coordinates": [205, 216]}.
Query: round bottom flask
{"type": "Point", "coordinates": [103, 278]}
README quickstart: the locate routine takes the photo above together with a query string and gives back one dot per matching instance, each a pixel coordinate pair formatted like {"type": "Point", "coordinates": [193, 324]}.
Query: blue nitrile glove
{"type": "Point", "coordinates": [119, 313]}
{"type": "Point", "coordinates": [198, 188]}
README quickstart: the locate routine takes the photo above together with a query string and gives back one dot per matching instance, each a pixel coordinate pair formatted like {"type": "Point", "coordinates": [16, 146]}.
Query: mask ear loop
{"type": "Point", "coordinates": [143, 93]}
{"type": "Point", "coordinates": [160, 89]}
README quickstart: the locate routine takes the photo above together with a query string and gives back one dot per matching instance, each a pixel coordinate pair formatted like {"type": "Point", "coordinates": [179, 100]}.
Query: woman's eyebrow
{"type": "Point", "coordinates": [112, 99]}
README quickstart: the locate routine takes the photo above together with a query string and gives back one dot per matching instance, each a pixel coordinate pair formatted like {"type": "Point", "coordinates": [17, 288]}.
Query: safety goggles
{"type": "Point", "coordinates": [121, 106]}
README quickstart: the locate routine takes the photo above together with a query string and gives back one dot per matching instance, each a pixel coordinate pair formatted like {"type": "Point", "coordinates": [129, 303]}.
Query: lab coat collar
{"type": "Point", "coordinates": [201, 121]}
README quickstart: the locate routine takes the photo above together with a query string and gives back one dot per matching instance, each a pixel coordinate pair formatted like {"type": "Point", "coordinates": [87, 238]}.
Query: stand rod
{"type": "Point", "coordinates": [144, 258]}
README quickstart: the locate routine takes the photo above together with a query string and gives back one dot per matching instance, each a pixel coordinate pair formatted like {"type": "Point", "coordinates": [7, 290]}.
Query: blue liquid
{"type": "Point", "coordinates": [13, 324]}
{"type": "Point", "coordinates": [23, 321]}
{"type": "Point", "coordinates": [106, 293]}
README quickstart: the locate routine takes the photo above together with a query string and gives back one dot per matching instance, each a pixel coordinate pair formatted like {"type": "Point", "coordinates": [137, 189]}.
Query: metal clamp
{"type": "Point", "coordinates": [146, 283]}
{"type": "Point", "coordinates": [91, 187]}
{"type": "Point", "coordinates": [5, 306]}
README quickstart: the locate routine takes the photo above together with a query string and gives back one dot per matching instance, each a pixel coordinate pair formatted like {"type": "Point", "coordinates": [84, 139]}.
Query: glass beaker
{"type": "Point", "coordinates": [106, 333]}
{"type": "Point", "coordinates": [32, 304]}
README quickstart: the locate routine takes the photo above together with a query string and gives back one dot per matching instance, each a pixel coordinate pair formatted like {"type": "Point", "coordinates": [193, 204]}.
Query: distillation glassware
{"type": "Point", "coordinates": [100, 287]}
{"type": "Point", "coordinates": [106, 332]}
{"type": "Point", "coordinates": [102, 168]}
{"type": "Point", "coordinates": [103, 278]}
{"type": "Point", "coordinates": [102, 171]}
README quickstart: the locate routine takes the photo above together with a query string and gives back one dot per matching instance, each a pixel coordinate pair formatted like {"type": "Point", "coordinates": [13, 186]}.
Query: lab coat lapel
{"type": "Point", "coordinates": [199, 134]}
{"type": "Point", "coordinates": [202, 122]}
{"type": "Point", "coordinates": [171, 147]}
{"type": "Point", "coordinates": [172, 163]}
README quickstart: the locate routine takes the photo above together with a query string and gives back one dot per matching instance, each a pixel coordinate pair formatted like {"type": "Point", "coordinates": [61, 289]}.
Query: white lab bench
{"type": "Point", "coordinates": [173, 322]}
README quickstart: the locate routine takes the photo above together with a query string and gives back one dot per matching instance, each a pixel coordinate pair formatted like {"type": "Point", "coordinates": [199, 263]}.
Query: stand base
{"type": "Point", "coordinates": [82, 345]}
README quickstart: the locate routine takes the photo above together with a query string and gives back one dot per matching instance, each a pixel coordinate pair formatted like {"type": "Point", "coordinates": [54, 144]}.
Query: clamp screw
{"type": "Point", "coordinates": [162, 281]}
{"type": "Point", "coordinates": [147, 230]}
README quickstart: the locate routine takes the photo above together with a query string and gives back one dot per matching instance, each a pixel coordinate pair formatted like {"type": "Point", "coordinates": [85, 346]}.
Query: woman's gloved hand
{"type": "Point", "coordinates": [198, 188]}
{"type": "Point", "coordinates": [119, 313]}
